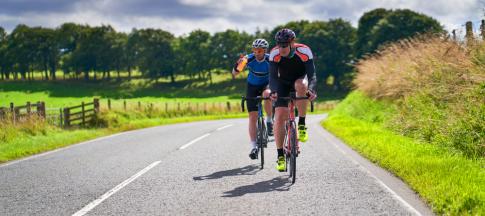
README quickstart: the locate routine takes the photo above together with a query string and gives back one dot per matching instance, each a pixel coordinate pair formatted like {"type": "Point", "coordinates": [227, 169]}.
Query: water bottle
{"type": "Point", "coordinates": [242, 64]}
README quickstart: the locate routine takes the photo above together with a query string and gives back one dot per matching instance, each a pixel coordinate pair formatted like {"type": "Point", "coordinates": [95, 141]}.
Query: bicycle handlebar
{"type": "Point", "coordinates": [243, 98]}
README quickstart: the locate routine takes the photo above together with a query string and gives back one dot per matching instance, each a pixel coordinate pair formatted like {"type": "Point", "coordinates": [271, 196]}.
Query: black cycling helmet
{"type": "Point", "coordinates": [284, 36]}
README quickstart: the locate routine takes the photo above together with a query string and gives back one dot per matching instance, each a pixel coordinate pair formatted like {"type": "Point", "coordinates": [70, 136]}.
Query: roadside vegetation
{"type": "Point", "coordinates": [419, 111]}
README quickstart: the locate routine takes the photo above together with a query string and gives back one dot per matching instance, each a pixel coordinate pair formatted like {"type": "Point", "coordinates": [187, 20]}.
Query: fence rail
{"type": "Point", "coordinates": [79, 115]}
{"type": "Point", "coordinates": [20, 113]}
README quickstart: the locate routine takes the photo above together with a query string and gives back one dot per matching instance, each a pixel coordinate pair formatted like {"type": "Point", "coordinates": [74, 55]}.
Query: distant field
{"type": "Point", "coordinates": [64, 93]}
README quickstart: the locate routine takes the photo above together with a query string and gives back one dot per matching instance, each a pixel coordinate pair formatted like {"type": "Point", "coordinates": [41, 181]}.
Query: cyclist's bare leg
{"type": "Point", "coordinates": [281, 115]}
{"type": "Point", "coordinates": [267, 103]}
{"type": "Point", "coordinates": [301, 87]}
{"type": "Point", "coordinates": [253, 118]}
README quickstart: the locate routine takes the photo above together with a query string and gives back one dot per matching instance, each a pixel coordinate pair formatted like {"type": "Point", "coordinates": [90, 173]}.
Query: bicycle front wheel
{"type": "Point", "coordinates": [260, 136]}
{"type": "Point", "coordinates": [293, 153]}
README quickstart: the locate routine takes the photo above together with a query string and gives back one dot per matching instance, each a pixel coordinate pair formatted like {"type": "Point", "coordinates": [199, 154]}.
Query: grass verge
{"type": "Point", "coordinates": [25, 143]}
{"type": "Point", "coordinates": [449, 181]}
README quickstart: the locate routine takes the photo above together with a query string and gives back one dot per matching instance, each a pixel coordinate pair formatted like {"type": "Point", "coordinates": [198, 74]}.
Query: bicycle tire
{"type": "Point", "coordinates": [293, 153]}
{"type": "Point", "coordinates": [260, 137]}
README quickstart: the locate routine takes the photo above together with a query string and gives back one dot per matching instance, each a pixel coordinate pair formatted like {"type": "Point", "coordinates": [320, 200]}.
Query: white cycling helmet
{"type": "Point", "coordinates": [260, 43]}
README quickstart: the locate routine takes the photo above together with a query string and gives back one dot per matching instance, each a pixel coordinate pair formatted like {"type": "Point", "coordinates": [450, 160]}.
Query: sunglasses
{"type": "Point", "coordinates": [283, 45]}
{"type": "Point", "coordinates": [258, 51]}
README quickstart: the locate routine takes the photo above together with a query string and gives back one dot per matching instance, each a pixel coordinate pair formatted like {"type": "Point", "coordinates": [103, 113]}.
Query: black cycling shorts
{"type": "Point", "coordinates": [254, 91]}
{"type": "Point", "coordinates": [284, 89]}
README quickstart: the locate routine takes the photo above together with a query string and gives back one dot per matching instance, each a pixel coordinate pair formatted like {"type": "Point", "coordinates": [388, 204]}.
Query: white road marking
{"type": "Point", "coordinates": [105, 196]}
{"type": "Point", "coordinates": [224, 127]}
{"type": "Point", "coordinates": [194, 141]}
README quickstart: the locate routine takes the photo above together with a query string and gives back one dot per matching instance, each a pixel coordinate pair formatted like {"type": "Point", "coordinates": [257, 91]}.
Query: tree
{"type": "Point", "coordinates": [4, 62]}
{"type": "Point", "coordinates": [155, 53]}
{"type": "Point", "coordinates": [19, 50]}
{"type": "Point", "coordinates": [46, 50]}
{"type": "Point", "coordinates": [193, 52]}
{"type": "Point", "coordinates": [379, 27]}
{"type": "Point", "coordinates": [226, 48]}
{"type": "Point", "coordinates": [325, 38]}
{"type": "Point", "coordinates": [364, 32]}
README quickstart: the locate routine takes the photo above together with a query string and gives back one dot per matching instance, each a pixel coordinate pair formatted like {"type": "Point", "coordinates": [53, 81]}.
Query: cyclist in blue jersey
{"type": "Point", "coordinates": [257, 85]}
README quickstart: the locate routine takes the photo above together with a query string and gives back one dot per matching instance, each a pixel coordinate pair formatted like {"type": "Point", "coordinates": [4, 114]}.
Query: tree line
{"type": "Point", "coordinates": [80, 50]}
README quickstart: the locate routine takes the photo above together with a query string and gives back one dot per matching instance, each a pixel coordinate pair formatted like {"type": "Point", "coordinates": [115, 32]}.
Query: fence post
{"type": "Point", "coordinates": [60, 117]}
{"type": "Point", "coordinates": [228, 106]}
{"type": "Point", "coordinates": [469, 31]}
{"type": "Point", "coordinates": [96, 105]}
{"type": "Point", "coordinates": [41, 109]}
{"type": "Point", "coordinates": [166, 107]}
{"type": "Point", "coordinates": [29, 110]}
{"type": "Point", "coordinates": [109, 104]}
{"type": "Point", "coordinates": [66, 117]}
{"type": "Point", "coordinates": [82, 114]}
{"type": "Point", "coordinates": [12, 110]}
{"type": "Point", "coordinates": [178, 106]}
{"type": "Point", "coordinates": [124, 105]}
{"type": "Point", "coordinates": [139, 105]}
{"type": "Point", "coordinates": [482, 29]}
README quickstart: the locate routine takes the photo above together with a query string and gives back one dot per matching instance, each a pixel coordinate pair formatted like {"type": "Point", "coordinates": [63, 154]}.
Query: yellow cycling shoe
{"type": "Point", "coordinates": [281, 166]}
{"type": "Point", "coordinates": [302, 133]}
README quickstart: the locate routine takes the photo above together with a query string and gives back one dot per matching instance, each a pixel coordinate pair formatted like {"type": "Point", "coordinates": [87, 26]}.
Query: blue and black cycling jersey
{"type": "Point", "coordinates": [258, 70]}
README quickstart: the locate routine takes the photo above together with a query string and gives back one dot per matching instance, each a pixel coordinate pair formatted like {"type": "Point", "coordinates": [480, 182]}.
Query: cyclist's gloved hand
{"type": "Point", "coordinates": [311, 95]}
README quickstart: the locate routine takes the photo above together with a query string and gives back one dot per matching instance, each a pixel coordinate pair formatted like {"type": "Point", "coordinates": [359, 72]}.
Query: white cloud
{"type": "Point", "coordinates": [215, 16]}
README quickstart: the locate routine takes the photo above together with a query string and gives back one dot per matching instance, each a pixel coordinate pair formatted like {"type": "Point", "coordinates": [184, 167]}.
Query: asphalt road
{"type": "Point", "coordinates": [200, 168]}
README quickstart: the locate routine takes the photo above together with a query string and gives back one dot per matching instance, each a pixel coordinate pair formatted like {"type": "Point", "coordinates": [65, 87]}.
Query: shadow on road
{"type": "Point", "coordinates": [277, 184]}
{"type": "Point", "coordinates": [247, 170]}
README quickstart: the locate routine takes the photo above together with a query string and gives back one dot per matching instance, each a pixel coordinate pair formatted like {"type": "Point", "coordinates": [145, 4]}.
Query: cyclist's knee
{"type": "Point", "coordinates": [301, 86]}
{"type": "Point", "coordinates": [266, 93]}
{"type": "Point", "coordinates": [281, 115]}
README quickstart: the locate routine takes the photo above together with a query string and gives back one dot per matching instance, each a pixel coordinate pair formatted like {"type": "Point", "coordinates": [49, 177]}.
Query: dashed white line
{"type": "Point", "coordinates": [105, 196]}
{"type": "Point", "coordinates": [194, 141]}
{"type": "Point", "coordinates": [223, 127]}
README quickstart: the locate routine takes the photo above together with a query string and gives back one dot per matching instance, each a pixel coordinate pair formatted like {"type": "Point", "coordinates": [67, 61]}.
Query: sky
{"type": "Point", "coordinates": [182, 16]}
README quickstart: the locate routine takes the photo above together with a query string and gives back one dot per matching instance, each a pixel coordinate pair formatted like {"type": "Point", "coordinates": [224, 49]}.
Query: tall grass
{"type": "Point", "coordinates": [438, 87]}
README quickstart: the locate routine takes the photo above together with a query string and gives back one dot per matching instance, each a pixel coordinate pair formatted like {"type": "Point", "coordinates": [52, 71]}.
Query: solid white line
{"type": "Point", "coordinates": [194, 141]}
{"type": "Point", "coordinates": [224, 127]}
{"type": "Point", "coordinates": [105, 196]}
{"type": "Point", "coordinates": [394, 194]}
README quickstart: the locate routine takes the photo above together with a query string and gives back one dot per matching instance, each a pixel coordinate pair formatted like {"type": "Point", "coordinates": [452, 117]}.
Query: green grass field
{"type": "Point", "coordinates": [64, 93]}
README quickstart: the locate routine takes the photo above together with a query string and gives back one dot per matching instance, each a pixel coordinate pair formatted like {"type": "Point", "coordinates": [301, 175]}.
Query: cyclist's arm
{"type": "Point", "coordinates": [312, 78]}
{"type": "Point", "coordinates": [273, 76]}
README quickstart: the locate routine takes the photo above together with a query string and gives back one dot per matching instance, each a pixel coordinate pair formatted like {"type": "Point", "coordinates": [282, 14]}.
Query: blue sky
{"type": "Point", "coordinates": [183, 16]}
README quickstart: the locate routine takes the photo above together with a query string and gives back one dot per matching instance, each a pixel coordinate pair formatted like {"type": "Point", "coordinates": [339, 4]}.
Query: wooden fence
{"type": "Point", "coordinates": [81, 114]}
{"type": "Point", "coordinates": [23, 112]}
